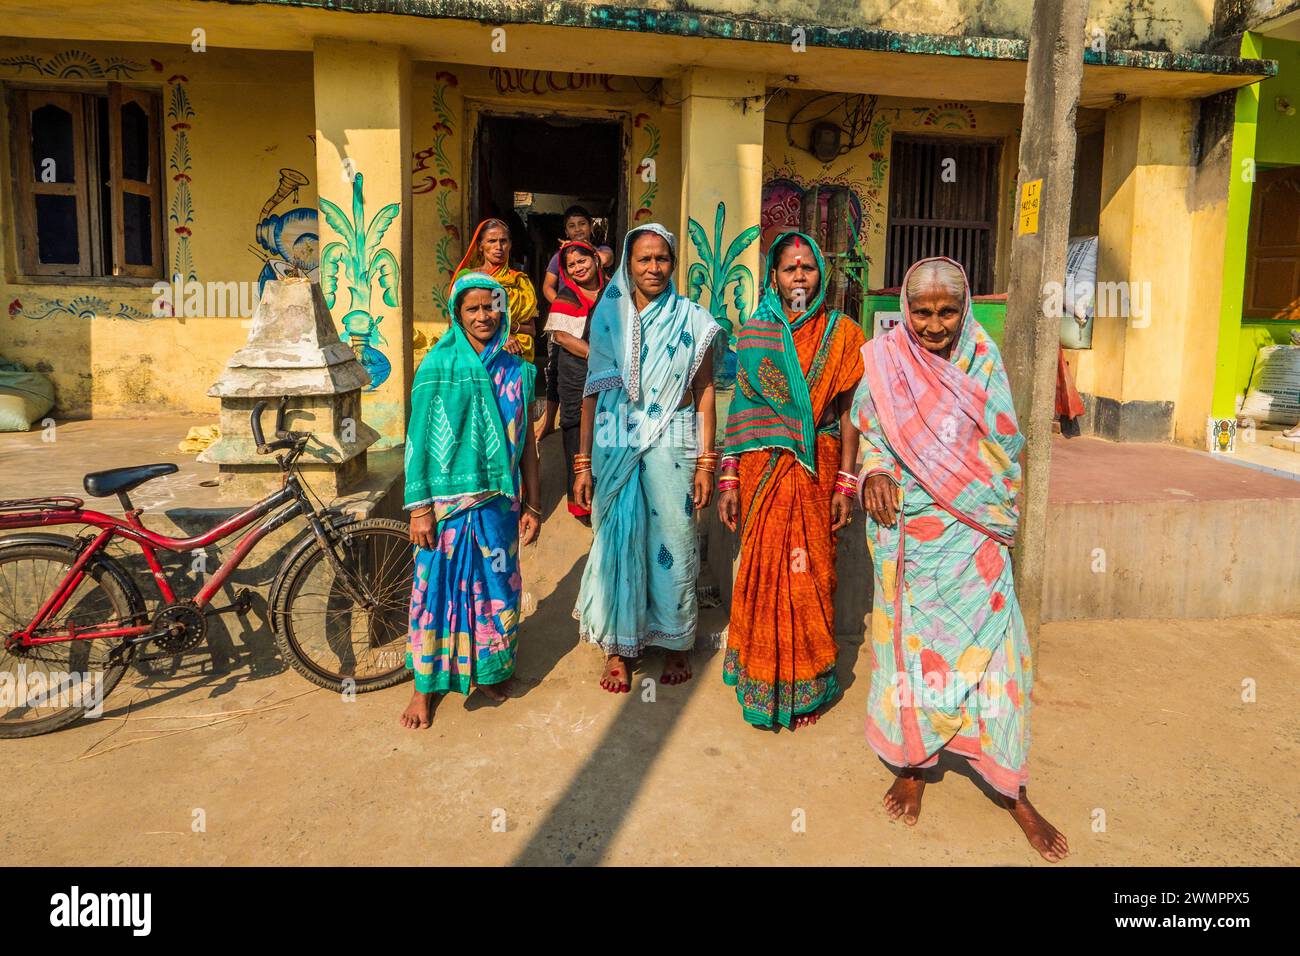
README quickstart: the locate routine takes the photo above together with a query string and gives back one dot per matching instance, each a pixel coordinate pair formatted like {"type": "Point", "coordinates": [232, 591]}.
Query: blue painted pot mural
{"type": "Point", "coordinates": [364, 261]}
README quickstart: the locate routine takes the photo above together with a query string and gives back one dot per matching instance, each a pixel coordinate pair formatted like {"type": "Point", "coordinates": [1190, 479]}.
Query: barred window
{"type": "Point", "coordinates": [933, 214]}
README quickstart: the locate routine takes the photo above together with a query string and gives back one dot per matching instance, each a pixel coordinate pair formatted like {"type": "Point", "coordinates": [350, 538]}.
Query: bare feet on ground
{"type": "Point", "coordinates": [903, 800]}
{"type": "Point", "coordinates": [806, 720]}
{"type": "Point", "coordinates": [497, 692]}
{"type": "Point", "coordinates": [1043, 837]}
{"type": "Point", "coordinates": [677, 668]}
{"type": "Point", "coordinates": [418, 712]}
{"type": "Point", "coordinates": [616, 677]}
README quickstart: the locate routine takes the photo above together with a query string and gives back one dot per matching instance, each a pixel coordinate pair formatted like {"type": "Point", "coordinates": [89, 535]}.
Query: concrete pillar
{"type": "Point", "coordinates": [363, 150]}
{"type": "Point", "coordinates": [722, 191]}
{"type": "Point", "coordinates": [1134, 371]}
{"type": "Point", "coordinates": [1038, 258]}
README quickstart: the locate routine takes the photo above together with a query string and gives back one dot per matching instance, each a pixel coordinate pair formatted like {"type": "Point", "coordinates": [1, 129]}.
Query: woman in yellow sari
{"type": "Point", "coordinates": [489, 253]}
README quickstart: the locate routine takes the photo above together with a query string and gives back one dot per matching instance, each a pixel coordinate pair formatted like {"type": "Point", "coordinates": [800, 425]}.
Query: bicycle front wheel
{"type": "Point", "coordinates": [329, 637]}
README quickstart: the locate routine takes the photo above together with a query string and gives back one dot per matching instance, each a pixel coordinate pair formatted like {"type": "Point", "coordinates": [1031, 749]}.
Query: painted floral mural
{"type": "Point", "coordinates": [363, 261]}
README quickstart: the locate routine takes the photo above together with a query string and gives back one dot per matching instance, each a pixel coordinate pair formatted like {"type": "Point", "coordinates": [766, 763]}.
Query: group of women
{"type": "Point", "coordinates": [928, 402]}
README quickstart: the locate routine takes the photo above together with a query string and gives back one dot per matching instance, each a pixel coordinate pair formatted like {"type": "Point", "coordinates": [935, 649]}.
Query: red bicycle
{"type": "Point", "coordinates": [338, 604]}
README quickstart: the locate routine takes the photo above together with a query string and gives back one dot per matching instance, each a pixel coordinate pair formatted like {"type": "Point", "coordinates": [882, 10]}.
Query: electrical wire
{"type": "Point", "coordinates": [859, 112]}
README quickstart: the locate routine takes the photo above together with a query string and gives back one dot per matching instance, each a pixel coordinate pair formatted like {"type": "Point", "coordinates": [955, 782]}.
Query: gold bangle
{"type": "Point", "coordinates": [421, 514]}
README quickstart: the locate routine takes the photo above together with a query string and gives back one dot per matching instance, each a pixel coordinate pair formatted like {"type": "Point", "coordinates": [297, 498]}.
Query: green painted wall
{"type": "Point", "coordinates": [1270, 138]}
{"type": "Point", "coordinates": [1278, 135]}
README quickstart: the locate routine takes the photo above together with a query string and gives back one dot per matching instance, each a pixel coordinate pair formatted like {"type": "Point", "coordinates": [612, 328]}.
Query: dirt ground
{"type": "Point", "coordinates": [1144, 752]}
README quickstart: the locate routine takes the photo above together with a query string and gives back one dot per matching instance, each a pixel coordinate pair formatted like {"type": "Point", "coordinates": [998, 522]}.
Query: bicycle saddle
{"type": "Point", "coordinates": [101, 484]}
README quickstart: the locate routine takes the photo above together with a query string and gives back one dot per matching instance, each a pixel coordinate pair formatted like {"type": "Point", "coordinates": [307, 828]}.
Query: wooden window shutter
{"type": "Point", "coordinates": [135, 182]}
{"type": "Point", "coordinates": [53, 225]}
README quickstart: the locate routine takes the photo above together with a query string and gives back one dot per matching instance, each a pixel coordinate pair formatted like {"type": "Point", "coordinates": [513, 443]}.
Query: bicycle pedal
{"type": "Point", "coordinates": [241, 605]}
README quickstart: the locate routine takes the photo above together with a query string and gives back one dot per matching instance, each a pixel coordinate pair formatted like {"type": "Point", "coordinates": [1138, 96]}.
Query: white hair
{"type": "Point", "coordinates": [946, 275]}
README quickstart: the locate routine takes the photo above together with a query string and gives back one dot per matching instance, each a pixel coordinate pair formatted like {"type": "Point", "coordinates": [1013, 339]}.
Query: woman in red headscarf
{"type": "Point", "coordinates": [581, 283]}
{"type": "Point", "coordinates": [489, 252]}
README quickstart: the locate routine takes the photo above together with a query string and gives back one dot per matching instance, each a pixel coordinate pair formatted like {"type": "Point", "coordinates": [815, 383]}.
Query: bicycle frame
{"type": "Point", "coordinates": [281, 506]}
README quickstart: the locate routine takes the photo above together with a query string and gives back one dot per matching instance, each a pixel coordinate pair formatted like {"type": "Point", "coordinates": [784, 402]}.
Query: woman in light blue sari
{"type": "Point", "coordinates": [647, 461]}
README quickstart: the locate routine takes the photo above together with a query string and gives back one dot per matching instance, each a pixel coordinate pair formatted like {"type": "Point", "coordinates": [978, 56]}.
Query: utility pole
{"type": "Point", "coordinates": [1044, 186]}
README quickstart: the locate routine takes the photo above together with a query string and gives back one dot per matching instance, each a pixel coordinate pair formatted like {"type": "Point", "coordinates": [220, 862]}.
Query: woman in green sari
{"type": "Point", "coordinates": [472, 493]}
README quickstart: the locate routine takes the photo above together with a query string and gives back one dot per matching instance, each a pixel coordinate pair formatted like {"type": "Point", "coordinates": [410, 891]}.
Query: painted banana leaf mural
{"type": "Point", "coordinates": [363, 262]}
{"type": "Point", "coordinates": [719, 273]}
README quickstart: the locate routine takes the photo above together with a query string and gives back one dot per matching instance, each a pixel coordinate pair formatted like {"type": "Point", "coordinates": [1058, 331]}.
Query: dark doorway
{"type": "Point", "coordinates": [529, 169]}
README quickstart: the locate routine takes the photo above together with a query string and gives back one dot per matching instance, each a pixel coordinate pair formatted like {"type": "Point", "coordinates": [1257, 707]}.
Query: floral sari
{"type": "Point", "coordinates": [952, 668]}
{"type": "Point", "coordinates": [464, 446]}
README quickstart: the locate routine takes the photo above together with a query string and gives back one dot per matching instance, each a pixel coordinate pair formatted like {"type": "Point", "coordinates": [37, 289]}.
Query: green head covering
{"type": "Point", "coordinates": [771, 407]}
{"type": "Point", "coordinates": [456, 443]}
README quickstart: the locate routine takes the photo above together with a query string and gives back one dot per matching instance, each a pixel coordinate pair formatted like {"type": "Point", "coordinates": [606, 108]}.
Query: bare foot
{"type": "Point", "coordinates": [616, 678]}
{"type": "Point", "coordinates": [903, 799]}
{"type": "Point", "coordinates": [677, 668]}
{"type": "Point", "coordinates": [418, 712]}
{"type": "Point", "coordinates": [498, 693]}
{"type": "Point", "coordinates": [806, 720]}
{"type": "Point", "coordinates": [1043, 837]}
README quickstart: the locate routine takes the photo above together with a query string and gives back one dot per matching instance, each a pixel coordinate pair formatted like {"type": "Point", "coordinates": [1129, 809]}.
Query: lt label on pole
{"type": "Point", "coordinates": [1031, 195]}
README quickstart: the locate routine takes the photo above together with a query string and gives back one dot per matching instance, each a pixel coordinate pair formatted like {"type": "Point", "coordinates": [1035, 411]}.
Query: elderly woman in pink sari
{"type": "Point", "coordinates": [952, 668]}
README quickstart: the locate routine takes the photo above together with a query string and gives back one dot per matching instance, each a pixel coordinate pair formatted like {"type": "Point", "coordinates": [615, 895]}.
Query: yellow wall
{"type": "Point", "coordinates": [722, 193]}
{"type": "Point", "coordinates": [865, 170]}
{"type": "Point", "coordinates": [1207, 204]}
{"type": "Point", "coordinates": [363, 151]}
{"type": "Point", "coordinates": [1163, 220]}
{"type": "Point", "coordinates": [248, 116]}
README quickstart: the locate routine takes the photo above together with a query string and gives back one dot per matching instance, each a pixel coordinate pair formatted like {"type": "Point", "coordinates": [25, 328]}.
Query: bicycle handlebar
{"type": "Point", "coordinates": [284, 439]}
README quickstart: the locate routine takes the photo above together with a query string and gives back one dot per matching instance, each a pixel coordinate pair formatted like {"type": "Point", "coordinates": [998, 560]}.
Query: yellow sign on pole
{"type": "Point", "coordinates": [1031, 195]}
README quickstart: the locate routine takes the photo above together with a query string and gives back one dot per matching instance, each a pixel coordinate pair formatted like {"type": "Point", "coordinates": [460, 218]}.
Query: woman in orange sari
{"type": "Point", "coordinates": [788, 481]}
{"type": "Point", "coordinates": [489, 253]}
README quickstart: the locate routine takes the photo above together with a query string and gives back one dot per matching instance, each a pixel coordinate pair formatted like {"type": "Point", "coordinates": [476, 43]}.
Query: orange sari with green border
{"type": "Point", "coordinates": [781, 647]}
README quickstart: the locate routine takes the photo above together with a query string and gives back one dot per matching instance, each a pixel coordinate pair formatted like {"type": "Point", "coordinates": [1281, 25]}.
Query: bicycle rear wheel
{"type": "Point", "coordinates": [50, 686]}
{"type": "Point", "coordinates": [327, 636]}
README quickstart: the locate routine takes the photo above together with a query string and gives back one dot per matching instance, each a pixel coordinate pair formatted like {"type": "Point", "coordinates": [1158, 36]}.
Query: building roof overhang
{"type": "Point", "coordinates": [555, 35]}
